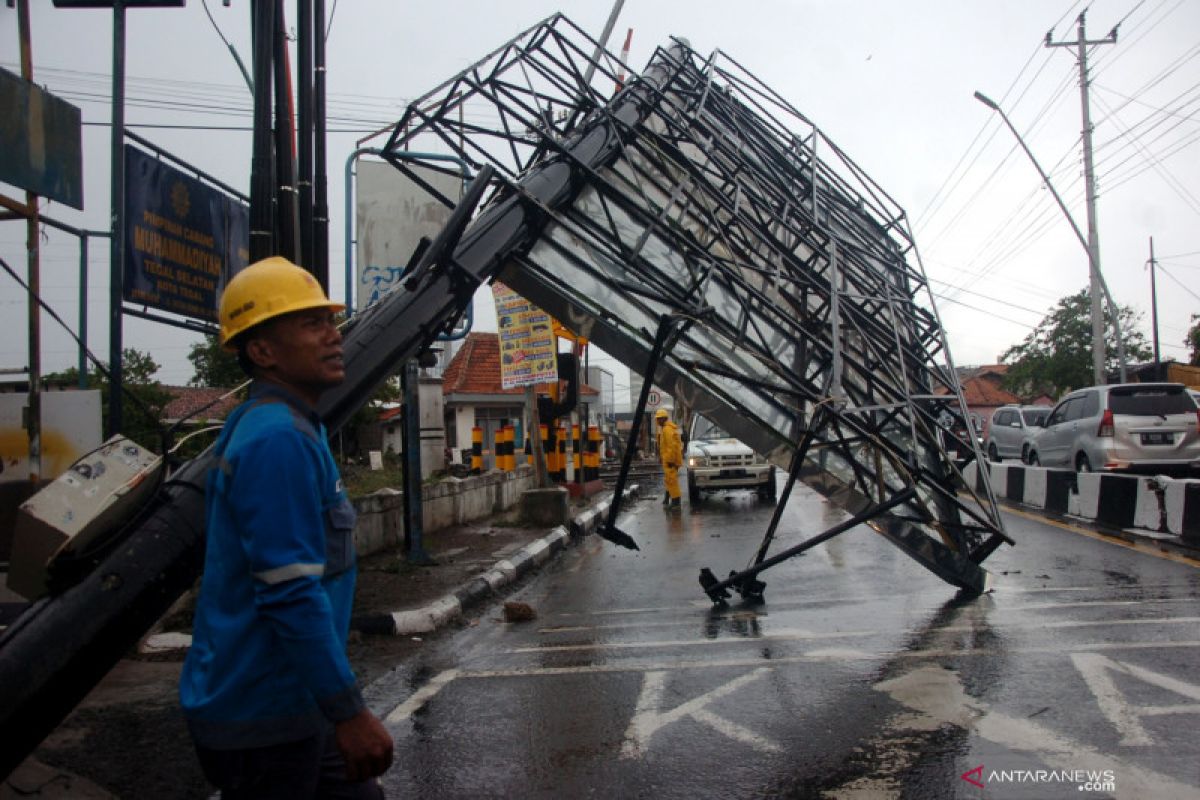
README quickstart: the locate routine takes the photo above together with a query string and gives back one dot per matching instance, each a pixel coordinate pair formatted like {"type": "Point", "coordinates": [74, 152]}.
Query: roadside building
{"type": "Point", "coordinates": [473, 396]}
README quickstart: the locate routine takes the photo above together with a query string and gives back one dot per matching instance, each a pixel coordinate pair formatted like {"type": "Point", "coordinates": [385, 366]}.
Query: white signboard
{"type": "Point", "coordinates": [70, 430]}
{"type": "Point", "coordinates": [655, 400]}
{"type": "Point", "coordinates": [392, 214]}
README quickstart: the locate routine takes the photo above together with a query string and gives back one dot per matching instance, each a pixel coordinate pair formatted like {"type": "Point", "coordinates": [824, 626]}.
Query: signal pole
{"type": "Point", "coordinates": [1081, 45]}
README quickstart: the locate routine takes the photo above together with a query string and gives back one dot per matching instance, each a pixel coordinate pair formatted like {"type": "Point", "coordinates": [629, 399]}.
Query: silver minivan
{"type": "Point", "coordinates": [1142, 427]}
{"type": "Point", "coordinates": [1009, 427]}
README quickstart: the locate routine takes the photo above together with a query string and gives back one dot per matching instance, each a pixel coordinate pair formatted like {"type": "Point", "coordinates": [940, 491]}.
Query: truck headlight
{"type": "Point", "coordinates": [697, 461]}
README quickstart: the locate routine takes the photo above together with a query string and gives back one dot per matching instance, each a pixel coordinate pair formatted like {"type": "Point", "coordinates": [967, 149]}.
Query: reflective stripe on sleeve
{"type": "Point", "coordinates": [289, 571]}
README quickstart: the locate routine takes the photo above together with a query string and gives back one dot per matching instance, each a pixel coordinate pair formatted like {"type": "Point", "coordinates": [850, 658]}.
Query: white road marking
{"type": "Point", "coordinates": [1097, 673]}
{"type": "Point", "coordinates": [766, 614]}
{"type": "Point", "coordinates": [930, 600]}
{"type": "Point", "coordinates": [781, 635]}
{"type": "Point", "coordinates": [938, 697]}
{"type": "Point", "coordinates": [819, 656]}
{"type": "Point", "coordinates": [784, 634]}
{"type": "Point", "coordinates": [1095, 603]}
{"type": "Point", "coordinates": [421, 696]}
{"type": "Point", "coordinates": [648, 718]}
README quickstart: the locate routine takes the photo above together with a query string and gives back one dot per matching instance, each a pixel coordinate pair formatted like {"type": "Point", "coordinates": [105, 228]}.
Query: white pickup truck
{"type": "Point", "coordinates": [717, 461]}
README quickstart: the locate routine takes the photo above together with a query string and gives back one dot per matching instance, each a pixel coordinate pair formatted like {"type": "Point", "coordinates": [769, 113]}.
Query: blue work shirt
{"type": "Point", "coordinates": [268, 658]}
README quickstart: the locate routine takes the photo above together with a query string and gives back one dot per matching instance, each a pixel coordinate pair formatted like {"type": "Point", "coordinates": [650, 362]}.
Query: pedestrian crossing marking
{"type": "Point", "coordinates": [649, 717]}
{"type": "Point", "coordinates": [1098, 671]}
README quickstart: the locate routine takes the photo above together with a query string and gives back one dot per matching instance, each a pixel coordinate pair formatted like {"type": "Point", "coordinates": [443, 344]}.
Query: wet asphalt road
{"type": "Point", "coordinates": [862, 675]}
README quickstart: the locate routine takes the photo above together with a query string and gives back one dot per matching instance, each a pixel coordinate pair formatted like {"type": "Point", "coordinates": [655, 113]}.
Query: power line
{"type": "Point", "coordinates": [934, 205]}
{"type": "Point", "coordinates": [1181, 284]}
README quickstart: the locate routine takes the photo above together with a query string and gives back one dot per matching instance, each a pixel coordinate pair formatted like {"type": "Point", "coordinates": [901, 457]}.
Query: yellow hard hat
{"type": "Point", "coordinates": [267, 289]}
{"type": "Point", "coordinates": [661, 414]}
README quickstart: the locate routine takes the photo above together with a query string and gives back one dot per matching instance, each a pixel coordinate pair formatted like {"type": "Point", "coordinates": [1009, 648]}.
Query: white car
{"type": "Point", "coordinates": [716, 461]}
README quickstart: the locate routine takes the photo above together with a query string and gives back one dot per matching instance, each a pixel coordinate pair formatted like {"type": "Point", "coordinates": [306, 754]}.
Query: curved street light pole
{"type": "Point", "coordinates": [1093, 267]}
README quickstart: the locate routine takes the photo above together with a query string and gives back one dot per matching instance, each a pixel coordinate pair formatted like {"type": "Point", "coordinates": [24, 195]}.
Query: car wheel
{"type": "Point", "coordinates": [1025, 454]}
{"type": "Point", "coordinates": [993, 455]}
{"type": "Point", "coordinates": [1082, 464]}
{"type": "Point", "coordinates": [694, 494]}
{"type": "Point", "coordinates": [767, 491]}
{"type": "Point", "coordinates": [1033, 459]}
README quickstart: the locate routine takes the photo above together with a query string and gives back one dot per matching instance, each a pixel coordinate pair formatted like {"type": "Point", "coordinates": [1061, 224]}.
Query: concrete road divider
{"type": "Point", "coordinates": [1112, 501]}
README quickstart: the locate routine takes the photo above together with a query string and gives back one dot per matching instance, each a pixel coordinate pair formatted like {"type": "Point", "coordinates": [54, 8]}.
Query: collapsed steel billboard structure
{"type": "Point", "coordinates": [708, 235]}
{"type": "Point", "coordinates": [688, 226]}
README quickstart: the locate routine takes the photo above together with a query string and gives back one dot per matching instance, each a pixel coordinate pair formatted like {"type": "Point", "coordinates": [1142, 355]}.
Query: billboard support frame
{"type": "Point", "coordinates": [698, 184]}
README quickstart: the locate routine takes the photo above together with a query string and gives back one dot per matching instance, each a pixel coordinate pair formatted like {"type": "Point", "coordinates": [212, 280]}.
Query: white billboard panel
{"type": "Point", "coordinates": [70, 429]}
{"type": "Point", "coordinates": [392, 213]}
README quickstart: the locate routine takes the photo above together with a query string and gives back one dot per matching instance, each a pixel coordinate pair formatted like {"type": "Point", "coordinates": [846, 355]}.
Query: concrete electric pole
{"type": "Point", "coordinates": [1081, 44]}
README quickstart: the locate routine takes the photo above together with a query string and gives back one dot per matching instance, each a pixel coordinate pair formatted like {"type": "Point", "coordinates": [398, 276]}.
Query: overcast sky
{"type": "Point", "coordinates": [890, 82]}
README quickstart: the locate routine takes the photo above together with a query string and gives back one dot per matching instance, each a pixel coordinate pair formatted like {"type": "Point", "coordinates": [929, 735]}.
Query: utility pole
{"type": "Point", "coordinates": [116, 280]}
{"type": "Point", "coordinates": [1154, 312]}
{"type": "Point", "coordinates": [1081, 45]}
{"type": "Point", "coordinates": [33, 253]}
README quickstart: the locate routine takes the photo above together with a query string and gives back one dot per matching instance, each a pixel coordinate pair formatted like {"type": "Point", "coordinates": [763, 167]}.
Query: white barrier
{"type": "Point", "coordinates": [1115, 501]}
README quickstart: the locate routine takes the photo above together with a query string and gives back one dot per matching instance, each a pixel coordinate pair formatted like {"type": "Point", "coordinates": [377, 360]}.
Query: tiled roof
{"type": "Point", "coordinates": [475, 369]}
{"type": "Point", "coordinates": [985, 390]}
{"type": "Point", "coordinates": [187, 400]}
{"type": "Point", "coordinates": [964, 373]}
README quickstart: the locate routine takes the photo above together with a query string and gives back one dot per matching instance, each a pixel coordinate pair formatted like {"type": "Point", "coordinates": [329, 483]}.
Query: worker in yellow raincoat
{"type": "Point", "coordinates": [670, 453]}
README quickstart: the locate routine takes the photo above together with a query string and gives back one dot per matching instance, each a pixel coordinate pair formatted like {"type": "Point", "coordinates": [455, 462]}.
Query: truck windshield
{"type": "Point", "coordinates": [706, 429]}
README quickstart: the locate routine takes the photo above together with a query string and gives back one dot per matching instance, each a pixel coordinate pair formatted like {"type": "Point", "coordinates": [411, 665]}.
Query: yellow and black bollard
{"type": "Point", "coordinates": [561, 436]}
{"type": "Point", "coordinates": [576, 453]}
{"type": "Point", "coordinates": [510, 460]}
{"type": "Point", "coordinates": [476, 450]}
{"type": "Point", "coordinates": [591, 471]}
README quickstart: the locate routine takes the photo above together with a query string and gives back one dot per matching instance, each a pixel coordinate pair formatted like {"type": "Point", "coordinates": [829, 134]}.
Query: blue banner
{"type": "Point", "coordinates": [183, 238]}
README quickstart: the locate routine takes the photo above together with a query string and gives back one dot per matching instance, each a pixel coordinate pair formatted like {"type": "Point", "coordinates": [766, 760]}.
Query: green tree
{"type": "Point", "coordinates": [1192, 340]}
{"type": "Point", "coordinates": [144, 401]}
{"type": "Point", "coordinates": [214, 365]}
{"type": "Point", "coordinates": [1056, 356]}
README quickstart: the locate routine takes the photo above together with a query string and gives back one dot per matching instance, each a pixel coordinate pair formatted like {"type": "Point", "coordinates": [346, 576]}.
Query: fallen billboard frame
{"type": "Point", "coordinates": [678, 200]}
{"type": "Point", "coordinates": [698, 194]}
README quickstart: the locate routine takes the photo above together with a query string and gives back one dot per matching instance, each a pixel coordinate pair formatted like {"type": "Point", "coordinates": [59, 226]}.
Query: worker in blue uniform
{"type": "Point", "coordinates": [267, 690]}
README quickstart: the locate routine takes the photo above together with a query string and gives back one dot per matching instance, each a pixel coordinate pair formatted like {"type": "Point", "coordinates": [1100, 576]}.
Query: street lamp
{"type": "Point", "coordinates": [1097, 279]}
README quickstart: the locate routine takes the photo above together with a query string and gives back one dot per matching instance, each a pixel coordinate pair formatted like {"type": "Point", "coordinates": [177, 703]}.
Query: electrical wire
{"type": "Point", "coordinates": [1109, 57]}
{"type": "Point", "coordinates": [329, 23]}
{"type": "Point", "coordinates": [1153, 162]}
{"type": "Point", "coordinates": [933, 205]}
{"type": "Point", "coordinates": [1181, 284]}
{"type": "Point", "coordinates": [91, 356]}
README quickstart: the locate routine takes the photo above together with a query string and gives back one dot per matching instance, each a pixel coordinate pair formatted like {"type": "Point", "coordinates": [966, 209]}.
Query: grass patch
{"type": "Point", "coordinates": [362, 480]}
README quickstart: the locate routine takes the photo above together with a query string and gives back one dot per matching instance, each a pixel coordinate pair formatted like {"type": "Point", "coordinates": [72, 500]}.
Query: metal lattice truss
{"type": "Point", "coordinates": [698, 227]}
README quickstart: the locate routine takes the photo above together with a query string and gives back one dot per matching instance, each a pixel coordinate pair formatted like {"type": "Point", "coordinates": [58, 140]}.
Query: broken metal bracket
{"type": "Point", "coordinates": [746, 582]}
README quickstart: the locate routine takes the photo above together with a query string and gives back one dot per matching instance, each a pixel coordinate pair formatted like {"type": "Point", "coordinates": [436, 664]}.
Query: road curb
{"type": "Point", "coordinates": [450, 607]}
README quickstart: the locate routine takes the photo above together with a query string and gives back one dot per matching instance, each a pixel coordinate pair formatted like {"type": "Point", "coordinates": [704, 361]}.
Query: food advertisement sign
{"type": "Point", "coordinates": [527, 353]}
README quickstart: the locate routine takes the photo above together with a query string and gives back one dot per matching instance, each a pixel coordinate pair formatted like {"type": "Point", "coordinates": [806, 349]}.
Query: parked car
{"type": "Point", "coordinates": [717, 461]}
{"type": "Point", "coordinates": [960, 445]}
{"type": "Point", "coordinates": [1137, 427]}
{"type": "Point", "coordinates": [1009, 427]}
